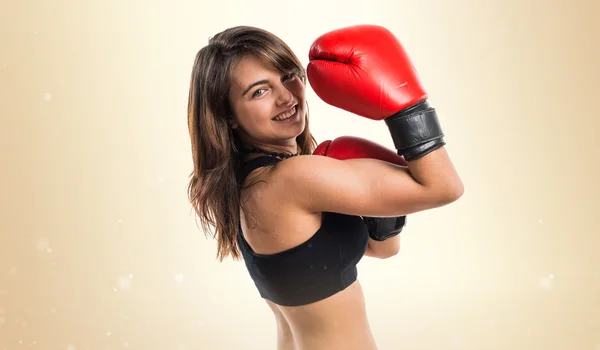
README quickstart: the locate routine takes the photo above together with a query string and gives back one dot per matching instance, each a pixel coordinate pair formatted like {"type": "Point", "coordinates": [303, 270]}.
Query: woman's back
{"type": "Point", "coordinates": [273, 225]}
{"type": "Point", "coordinates": [337, 322]}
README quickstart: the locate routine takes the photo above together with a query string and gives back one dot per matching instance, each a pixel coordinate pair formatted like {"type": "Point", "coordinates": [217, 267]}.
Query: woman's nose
{"type": "Point", "coordinates": [285, 96]}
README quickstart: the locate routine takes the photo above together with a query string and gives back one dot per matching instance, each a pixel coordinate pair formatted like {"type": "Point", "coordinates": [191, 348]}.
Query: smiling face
{"type": "Point", "coordinates": [269, 107]}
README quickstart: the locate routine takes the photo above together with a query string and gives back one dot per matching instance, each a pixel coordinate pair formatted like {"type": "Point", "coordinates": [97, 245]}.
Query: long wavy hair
{"type": "Point", "coordinates": [214, 187]}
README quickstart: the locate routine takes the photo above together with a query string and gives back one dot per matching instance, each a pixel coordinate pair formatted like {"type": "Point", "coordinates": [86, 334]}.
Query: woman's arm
{"type": "Point", "coordinates": [381, 230]}
{"type": "Point", "coordinates": [383, 249]}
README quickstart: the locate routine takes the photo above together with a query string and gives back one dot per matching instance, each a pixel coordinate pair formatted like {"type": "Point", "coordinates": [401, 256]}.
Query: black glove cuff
{"type": "Point", "coordinates": [381, 229]}
{"type": "Point", "coordinates": [416, 131]}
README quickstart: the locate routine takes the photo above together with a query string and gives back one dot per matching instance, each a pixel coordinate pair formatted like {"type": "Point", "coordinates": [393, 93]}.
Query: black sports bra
{"type": "Point", "coordinates": [313, 270]}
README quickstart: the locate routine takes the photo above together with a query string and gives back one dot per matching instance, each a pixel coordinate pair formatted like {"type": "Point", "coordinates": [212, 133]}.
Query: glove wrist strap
{"type": "Point", "coordinates": [416, 131]}
{"type": "Point", "coordinates": [381, 229]}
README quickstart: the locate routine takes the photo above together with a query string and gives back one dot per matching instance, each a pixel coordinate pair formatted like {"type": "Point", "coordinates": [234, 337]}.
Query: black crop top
{"type": "Point", "coordinates": [313, 270]}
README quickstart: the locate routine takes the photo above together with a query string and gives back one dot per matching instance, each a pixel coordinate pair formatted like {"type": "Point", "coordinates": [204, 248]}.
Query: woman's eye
{"type": "Point", "coordinates": [257, 92]}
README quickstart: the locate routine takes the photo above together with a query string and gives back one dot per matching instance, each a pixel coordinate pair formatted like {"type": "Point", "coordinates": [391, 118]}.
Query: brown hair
{"type": "Point", "coordinates": [214, 189]}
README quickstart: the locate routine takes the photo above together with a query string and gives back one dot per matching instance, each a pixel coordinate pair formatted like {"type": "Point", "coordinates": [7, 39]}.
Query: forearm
{"type": "Point", "coordinates": [383, 249]}
{"type": "Point", "coordinates": [436, 172]}
{"type": "Point", "coordinates": [418, 137]}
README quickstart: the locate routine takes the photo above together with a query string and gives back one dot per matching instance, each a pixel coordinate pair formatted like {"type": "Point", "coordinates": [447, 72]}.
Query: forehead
{"type": "Point", "coordinates": [248, 70]}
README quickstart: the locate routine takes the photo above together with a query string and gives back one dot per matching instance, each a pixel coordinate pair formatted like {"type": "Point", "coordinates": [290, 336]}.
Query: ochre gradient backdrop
{"type": "Point", "coordinates": [99, 248]}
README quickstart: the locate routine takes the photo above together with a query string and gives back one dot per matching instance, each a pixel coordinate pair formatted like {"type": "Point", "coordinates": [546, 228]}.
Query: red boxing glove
{"type": "Point", "coordinates": [350, 147]}
{"type": "Point", "coordinates": [365, 70]}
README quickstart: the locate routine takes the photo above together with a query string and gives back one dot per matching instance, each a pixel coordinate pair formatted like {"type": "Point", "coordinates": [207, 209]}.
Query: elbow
{"type": "Point", "coordinates": [456, 191]}
{"type": "Point", "coordinates": [383, 255]}
{"type": "Point", "coordinates": [389, 253]}
{"type": "Point", "coordinates": [385, 249]}
{"type": "Point", "coordinates": [451, 193]}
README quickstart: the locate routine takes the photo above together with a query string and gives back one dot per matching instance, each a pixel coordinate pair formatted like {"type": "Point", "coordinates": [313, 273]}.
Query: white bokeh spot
{"type": "Point", "coordinates": [179, 277]}
{"type": "Point", "coordinates": [125, 282]}
{"type": "Point", "coordinates": [547, 282]}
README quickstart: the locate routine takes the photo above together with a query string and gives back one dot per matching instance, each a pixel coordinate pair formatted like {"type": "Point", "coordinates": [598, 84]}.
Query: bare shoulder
{"type": "Point", "coordinates": [271, 220]}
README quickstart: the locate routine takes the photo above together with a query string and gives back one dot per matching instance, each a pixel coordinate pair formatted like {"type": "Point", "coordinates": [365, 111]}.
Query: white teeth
{"type": "Point", "coordinates": [286, 115]}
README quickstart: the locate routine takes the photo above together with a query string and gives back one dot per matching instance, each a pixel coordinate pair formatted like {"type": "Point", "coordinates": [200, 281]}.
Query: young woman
{"type": "Point", "coordinates": [292, 211]}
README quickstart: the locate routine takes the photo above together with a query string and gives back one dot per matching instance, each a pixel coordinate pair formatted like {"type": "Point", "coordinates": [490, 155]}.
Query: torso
{"type": "Point", "coordinates": [272, 224]}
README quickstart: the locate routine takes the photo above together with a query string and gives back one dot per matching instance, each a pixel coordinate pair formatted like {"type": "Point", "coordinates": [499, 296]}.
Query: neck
{"type": "Point", "coordinates": [257, 151]}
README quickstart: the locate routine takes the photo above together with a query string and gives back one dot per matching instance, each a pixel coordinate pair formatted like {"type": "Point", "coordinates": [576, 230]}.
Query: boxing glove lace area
{"type": "Point", "coordinates": [416, 131]}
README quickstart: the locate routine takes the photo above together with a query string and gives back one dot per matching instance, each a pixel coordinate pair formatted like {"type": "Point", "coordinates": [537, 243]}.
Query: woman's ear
{"type": "Point", "coordinates": [231, 122]}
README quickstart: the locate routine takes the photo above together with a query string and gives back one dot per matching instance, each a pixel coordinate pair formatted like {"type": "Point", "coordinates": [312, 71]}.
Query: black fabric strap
{"type": "Point", "coordinates": [256, 163]}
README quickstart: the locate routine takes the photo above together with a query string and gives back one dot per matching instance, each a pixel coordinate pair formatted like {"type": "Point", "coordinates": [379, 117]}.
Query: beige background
{"type": "Point", "coordinates": [98, 245]}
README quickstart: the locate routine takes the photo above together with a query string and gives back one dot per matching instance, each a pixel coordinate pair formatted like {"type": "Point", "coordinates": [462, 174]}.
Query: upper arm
{"type": "Point", "coordinates": [366, 187]}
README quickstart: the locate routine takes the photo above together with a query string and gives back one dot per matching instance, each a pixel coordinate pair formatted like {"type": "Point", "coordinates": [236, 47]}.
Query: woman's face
{"type": "Point", "coordinates": [269, 107]}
